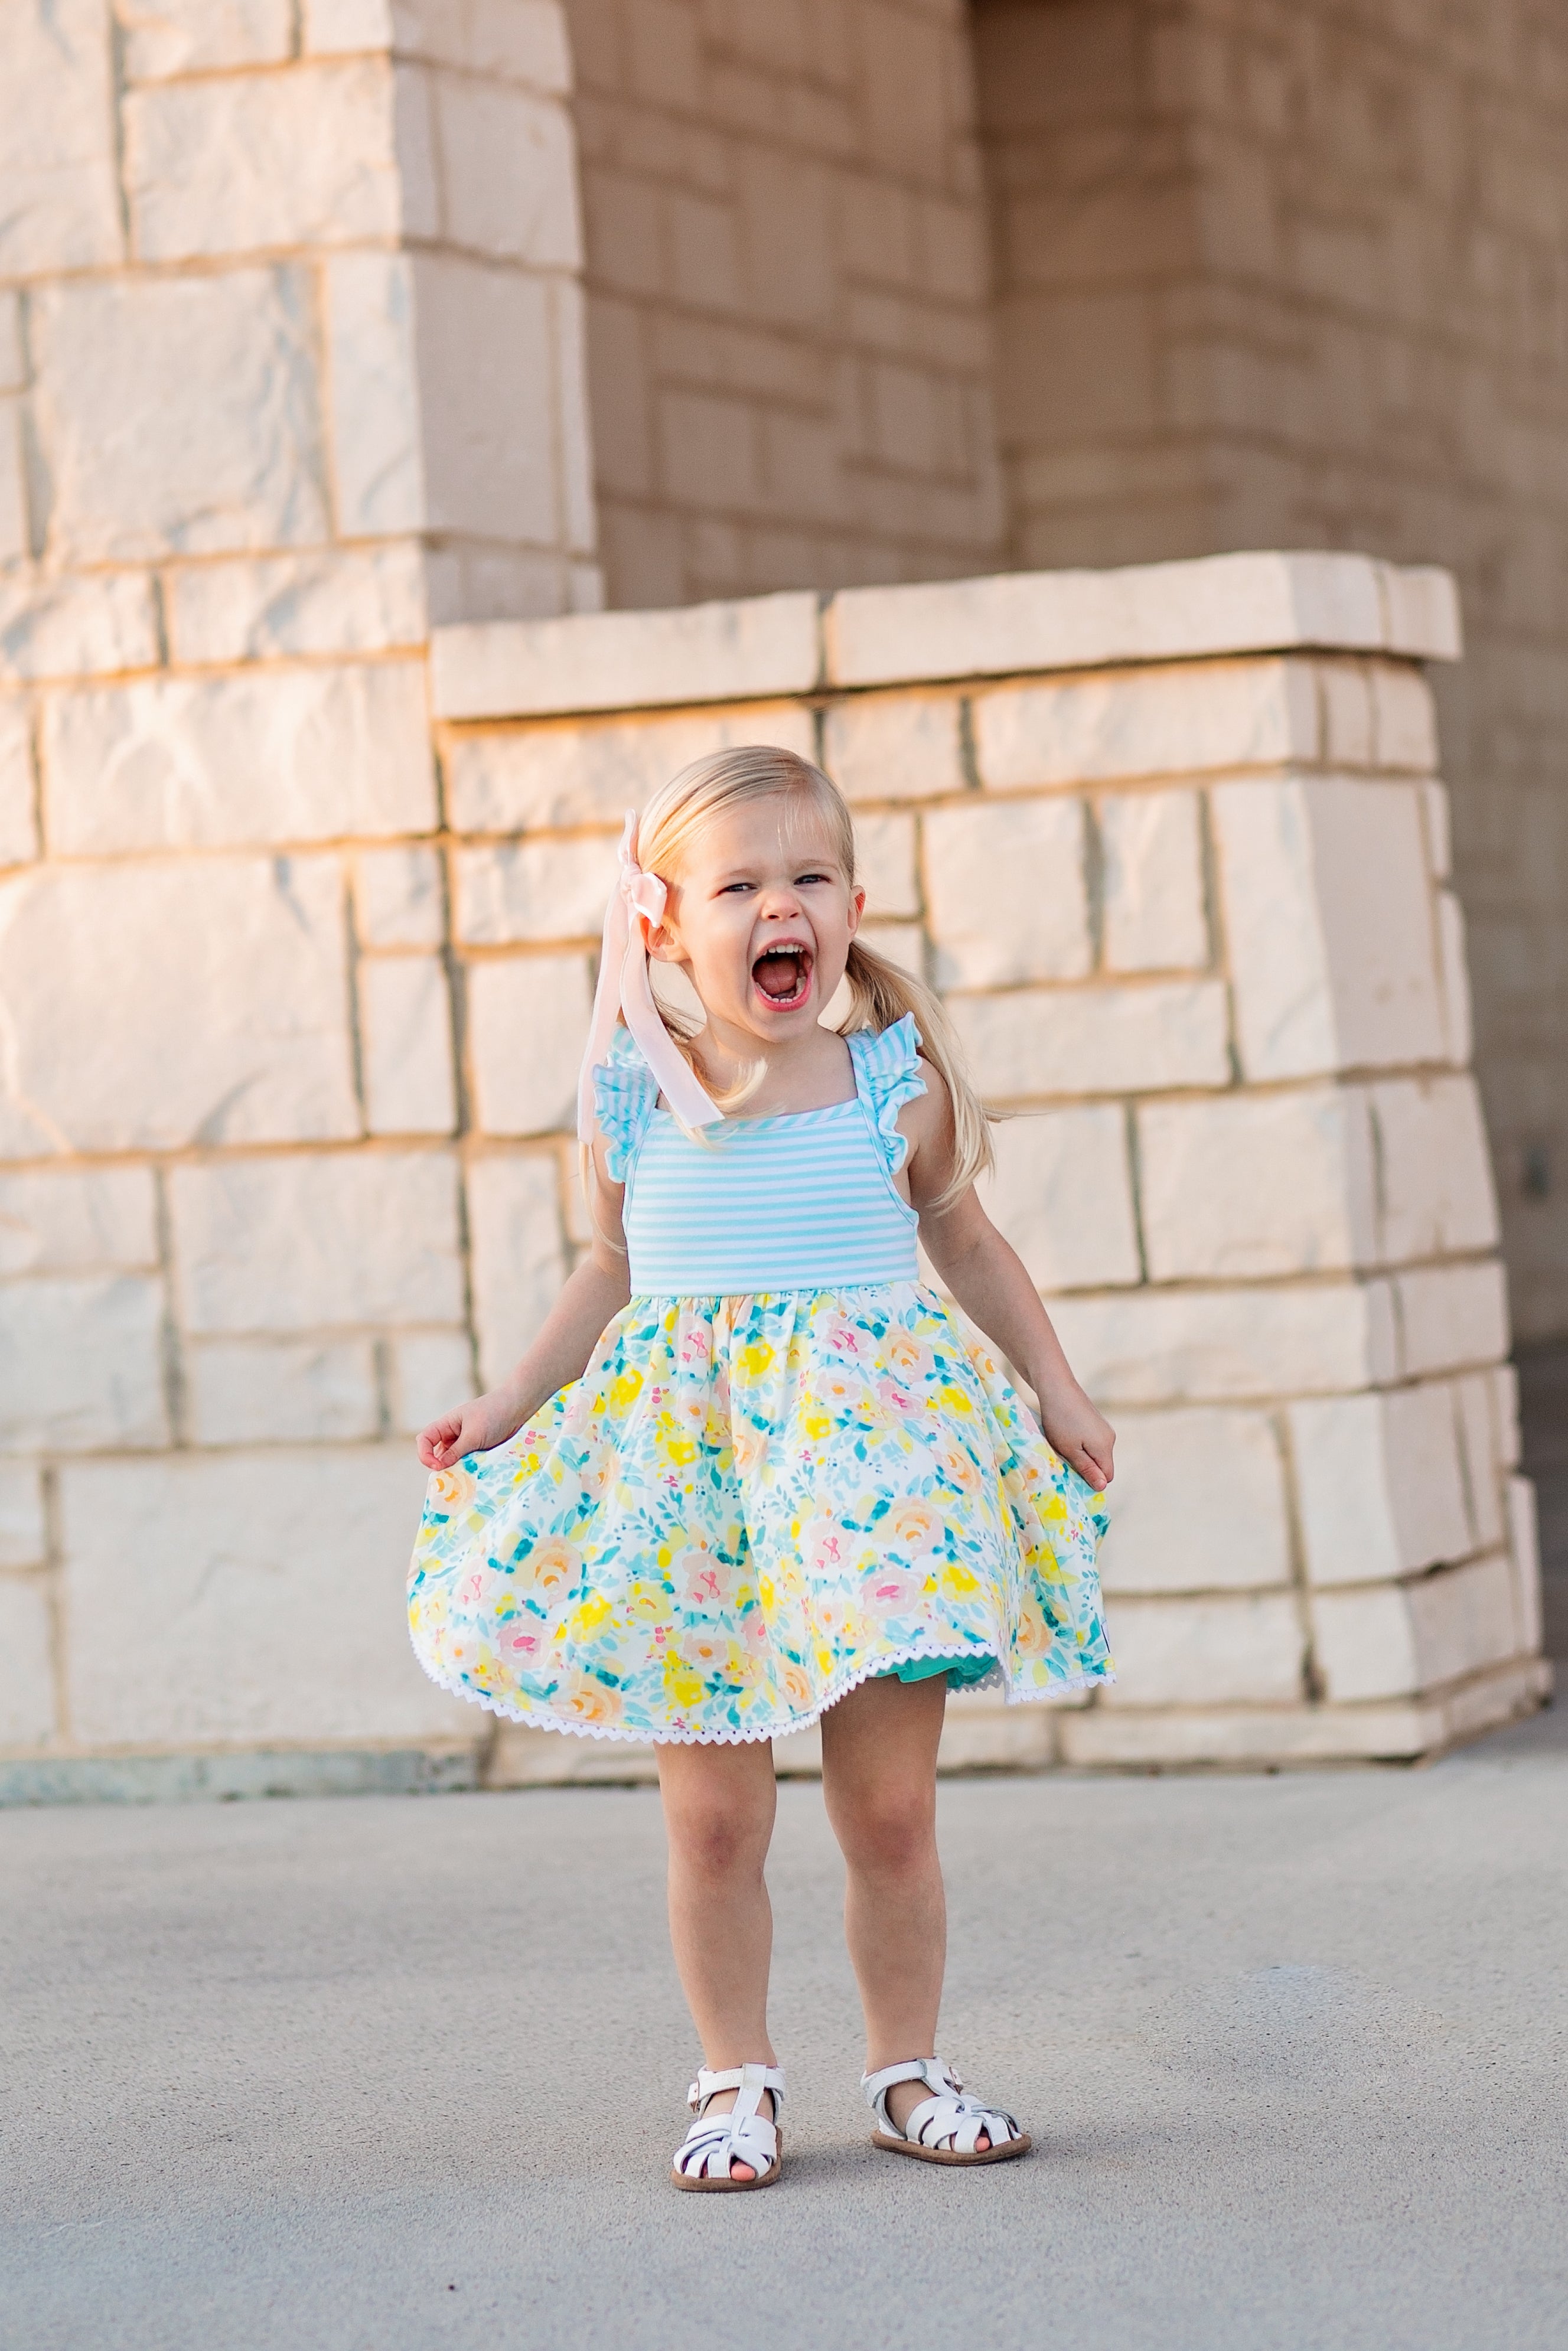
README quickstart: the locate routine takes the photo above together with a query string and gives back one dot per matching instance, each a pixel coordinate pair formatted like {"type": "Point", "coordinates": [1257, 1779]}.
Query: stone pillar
{"type": "Point", "coordinates": [290, 365]}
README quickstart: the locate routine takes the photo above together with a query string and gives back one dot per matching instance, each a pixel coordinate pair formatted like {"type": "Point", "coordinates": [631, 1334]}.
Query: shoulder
{"type": "Point", "coordinates": [890, 1073]}
{"type": "Point", "coordinates": [626, 1092]}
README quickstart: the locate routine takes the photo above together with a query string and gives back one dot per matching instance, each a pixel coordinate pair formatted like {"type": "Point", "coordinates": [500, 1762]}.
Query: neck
{"type": "Point", "coordinates": [806, 1071]}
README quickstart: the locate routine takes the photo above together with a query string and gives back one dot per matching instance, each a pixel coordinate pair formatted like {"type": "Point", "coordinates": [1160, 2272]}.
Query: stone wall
{"type": "Point", "coordinates": [1295, 273]}
{"type": "Point", "coordinates": [286, 1163]}
{"type": "Point", "coordinates": [1171, 843]}
{"type": "Point", "coordinates": [787, 275]}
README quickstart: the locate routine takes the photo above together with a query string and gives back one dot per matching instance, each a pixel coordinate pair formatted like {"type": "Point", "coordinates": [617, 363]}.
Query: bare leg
{"type": "Point", "coordinates": [879, 1781]}
{"type": "Point", "coordinates": [719, 1804]}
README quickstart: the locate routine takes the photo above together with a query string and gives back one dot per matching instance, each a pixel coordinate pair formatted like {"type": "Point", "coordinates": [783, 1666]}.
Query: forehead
{"type": "Point", "coordinates": [780, 828]}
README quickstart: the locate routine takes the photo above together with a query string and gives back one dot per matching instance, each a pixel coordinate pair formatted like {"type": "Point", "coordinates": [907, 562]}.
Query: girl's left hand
{"type": "Point", "coordinates": [1083, 1437]}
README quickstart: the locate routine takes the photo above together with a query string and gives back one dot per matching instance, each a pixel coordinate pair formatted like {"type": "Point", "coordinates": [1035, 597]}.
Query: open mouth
{"type": "Point", "coordinates": [782, 976]}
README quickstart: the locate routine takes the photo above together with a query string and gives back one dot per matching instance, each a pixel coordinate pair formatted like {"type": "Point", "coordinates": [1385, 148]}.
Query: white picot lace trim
{"type": "Point", "coordinates": [540, 1718]}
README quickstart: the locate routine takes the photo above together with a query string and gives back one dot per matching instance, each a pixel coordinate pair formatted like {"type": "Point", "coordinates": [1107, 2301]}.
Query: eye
{"type": "Point", "coordinates": [801, 879]}
{"type": "Point", "coordinates": [730, 887]}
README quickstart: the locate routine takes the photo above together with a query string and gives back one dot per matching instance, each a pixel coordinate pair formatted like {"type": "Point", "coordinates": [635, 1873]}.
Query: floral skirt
{"type": "Point", "coordinates": [746, 1507]}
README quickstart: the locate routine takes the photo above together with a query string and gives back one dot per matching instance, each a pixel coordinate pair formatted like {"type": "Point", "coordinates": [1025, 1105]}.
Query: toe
{"type": "Point", "coordinates": [741, 2171]}
{"type": "Point", "coordinates": [982, 2145]}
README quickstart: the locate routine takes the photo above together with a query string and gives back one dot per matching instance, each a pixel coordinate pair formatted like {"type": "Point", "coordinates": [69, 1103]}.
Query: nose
{"type": "Point", "coordinates": [779, 901]}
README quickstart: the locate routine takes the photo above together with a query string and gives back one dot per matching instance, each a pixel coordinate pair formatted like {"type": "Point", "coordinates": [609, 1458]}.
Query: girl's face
{"type": "Point", "coordinates": [760, 917]}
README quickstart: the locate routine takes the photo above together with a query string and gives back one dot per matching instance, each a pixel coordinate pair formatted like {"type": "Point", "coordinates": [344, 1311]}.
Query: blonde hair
{"type": "Point", "coordinates": [880, 993]}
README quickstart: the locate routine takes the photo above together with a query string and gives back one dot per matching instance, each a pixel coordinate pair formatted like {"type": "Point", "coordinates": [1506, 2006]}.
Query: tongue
{"type": "Point", "coordinates": [778, 975]}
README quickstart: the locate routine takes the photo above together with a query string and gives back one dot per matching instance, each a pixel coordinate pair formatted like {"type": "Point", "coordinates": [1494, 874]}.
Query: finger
{"type": "Point", "coordinates": [1089, 1469]}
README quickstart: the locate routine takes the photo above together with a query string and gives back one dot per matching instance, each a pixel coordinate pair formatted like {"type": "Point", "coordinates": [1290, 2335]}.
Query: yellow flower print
{"type": "Point", "coordinates": [757, 1358]}
{"type": "Point", "coordinates": [626, 1390]}
{"type": "Point", "coordinates": [586, 1619]}
{"type": "Point", "coordinates": [682, 1687]}
{"type": "Point", "coordinates": [958, 1582]}
{"type": "Point", "coordinates": [955, 1400]}
{"type": "Point", "coordinates": [816, 1423]}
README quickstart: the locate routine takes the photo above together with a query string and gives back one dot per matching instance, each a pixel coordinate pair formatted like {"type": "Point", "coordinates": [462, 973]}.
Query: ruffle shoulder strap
{"type": "Point", "coordinates": [887, 1075]}
{"type": "Point", "coordinates": [625, 1092]}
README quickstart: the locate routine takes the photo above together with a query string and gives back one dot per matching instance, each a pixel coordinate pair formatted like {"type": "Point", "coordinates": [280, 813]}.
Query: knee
{"type": "Point", "coordinates": [889, 1830]}
{"type": "Point", "coordinates": [715, 1840]}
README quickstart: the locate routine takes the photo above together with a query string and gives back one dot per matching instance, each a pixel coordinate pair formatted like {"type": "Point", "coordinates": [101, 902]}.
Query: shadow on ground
{"type": "Point", "coordinates": [1543, 1406]}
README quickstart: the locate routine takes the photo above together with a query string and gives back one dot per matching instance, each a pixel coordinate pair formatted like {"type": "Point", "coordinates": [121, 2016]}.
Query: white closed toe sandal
{"type": "Point", "coordinates": [944, 2127]}
{"type": "Point", "coordinates": [714, 2143]}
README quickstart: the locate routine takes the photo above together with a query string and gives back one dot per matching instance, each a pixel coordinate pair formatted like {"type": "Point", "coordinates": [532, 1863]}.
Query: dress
{"type": "Point", "coordinates": [788, 1465]}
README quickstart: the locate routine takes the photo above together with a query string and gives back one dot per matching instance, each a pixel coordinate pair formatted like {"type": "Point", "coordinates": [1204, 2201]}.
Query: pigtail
{"type": "Point", "coordinates": [880, 994]}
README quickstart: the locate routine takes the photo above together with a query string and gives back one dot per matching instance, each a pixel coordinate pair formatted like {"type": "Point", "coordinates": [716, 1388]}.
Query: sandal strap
{"type": "Point", "coordinates": [751, 2081]}
{"type": "Point", "coordinates": [946, 2114]}
{"type": "Point", "coordinates": [713, 2147]}
{"type": "Point", "coordinates": [934, 2072]}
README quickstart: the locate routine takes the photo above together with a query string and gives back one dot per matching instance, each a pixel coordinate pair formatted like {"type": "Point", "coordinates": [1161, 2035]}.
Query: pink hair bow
{"type": "Point", "coordinates": [624, 988]}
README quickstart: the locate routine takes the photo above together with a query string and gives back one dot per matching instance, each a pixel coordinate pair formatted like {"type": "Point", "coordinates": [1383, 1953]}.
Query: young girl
{"type": "Point", "coordinates": [753, 1473]}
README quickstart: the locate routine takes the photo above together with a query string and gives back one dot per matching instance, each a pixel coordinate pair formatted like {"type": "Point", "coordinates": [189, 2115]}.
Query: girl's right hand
{"type": "Point", "coordinates": [475, 1428]}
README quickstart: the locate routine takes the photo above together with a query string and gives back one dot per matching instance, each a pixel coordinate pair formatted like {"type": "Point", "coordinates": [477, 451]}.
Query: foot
{"type": "Point", "coordinates": [723, 2103]}
{"type": "Point", "coordinates": [902, 2099]}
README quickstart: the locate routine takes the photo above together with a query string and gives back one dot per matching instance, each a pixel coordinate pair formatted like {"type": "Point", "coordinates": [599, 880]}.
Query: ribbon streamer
{"type": "Point", "coordinates": [625, 988]}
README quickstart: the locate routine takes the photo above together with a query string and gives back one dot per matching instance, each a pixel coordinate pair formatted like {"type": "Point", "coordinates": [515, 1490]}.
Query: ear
{"type": "Point", "coordinates": [663, 943]}
{"type": "Point", "coordinates": [857, 910]}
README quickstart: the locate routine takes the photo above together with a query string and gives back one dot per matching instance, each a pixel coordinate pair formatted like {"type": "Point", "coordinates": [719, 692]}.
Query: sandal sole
{"type": "Point", "coordinates": [1007, 2153]}
{"type": "Point", "coordinates": [693, 2187]}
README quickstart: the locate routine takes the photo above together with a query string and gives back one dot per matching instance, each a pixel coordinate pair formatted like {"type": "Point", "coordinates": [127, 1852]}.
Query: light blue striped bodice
{"type": "Point", "coordinates": [804, 1200]}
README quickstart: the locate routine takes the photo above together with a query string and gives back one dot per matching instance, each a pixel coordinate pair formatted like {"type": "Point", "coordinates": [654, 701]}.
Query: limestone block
{"type": "Point", "coordinates": [13, 358]}
{"type": "Point", "coordinates": [1062, 1195]}
{"type": "Point", "coordinates": [528, 1024]}
{"type": "Point", "coordinates": [1421, 608]}
{"type": "Point", "coordinates": [82, 1365]}
{"type": "Point", "coordinates": [1381, 1485]}
{"type": "Point", "coordinates": [510, 173]}
{"type": "Point", "coordinates": [216, 1599]}
{"type": "Point", "coordinates": [1127, 1039]}
{"type": "Point", "coordinates": [209, 762]}
{"type": "Point", "coordinates": [488, 373]}
{"type": "Point", "coordinates": [1436, 816]}
{"type": "Point", "coordinates": [378, 463]}
{"type": "Point", "coordinates": [248, 1391]}
{"type": "Point", "coordinates": [518, 1252]}
{"type": "Point", "coordinates": [431, 1371]}
{"type": "Point", "coordinates": [1384, 1640]}
{"type": "Point", "coordinates": [895, 747]}
{"type": "Point", "coordinates": [902, 943]}
{"type": "Point", "coordinates": [99, 970]}
{"type": "Point", "coordinates": [1435, 1177]}
{"type": "Point", "coordinates": [1221, 1650]}
{"type": "Point", "coordinates": [1244, 1185]}
{"type": "Point", "coordinates": [26, 1663]}
{"type": "Point", "coordinates": [1524, 1559]}
{"type": "Point", "coordinates": [15, 538]}
{"type": "Point", "coordinates": [1148, 722]}
{"type": "Point", "coordinates": [530, 779]}
{"type": "Point", "coordinates": [308, 1242]}
{"type": "Point", "coordinates": [1143, 612]}
{"type": "Point", "coordinates": [338, 601]}
{"type": "Point", "coordinates": [18, 784]}
{"type": "Point", "coordinates": [1196, 1345]}
{"type": "Point", "coordinates": [1457, 1033]}
{"type": "Point", "coordinates": [76, 628]}
{"type": "Point", "coordinates": [1502, 1387]}
{"type": "Point", "coordinates": [1450, 1317]}
{"type": "Point", "coordinates": [251, 162]}
{"type": "Point", "coordinates": [23, 1533]}
{"type": "Point", "coordinates": [1480, 1459]}
{"type": "Point", "coordinates": [77, 1220]}
{"type": "Point", "coordinates": [163, 37]}
{"type": "Point", "coordinates": [885, 864]}
{"type": "Point", "coordinates": [1005, 892]}
{"type": "Point", "coordinates": [400, 900]}
{"type": "Point", "coordinates": [1198, 1505]}
{"type": "Point", "coordinates": [1329, 923]}
{"type": "Point", "coordinates": [514, 40]}
{"type": "Point", "coordinates": [178, 415]}
{"type": "Point", "coordinates": [1348, 735]}
{"type": "Point", "coordinates": [406, 1019]}
{"type": "Point", "coordinates": [1154, 915]}
{"type": "Point", "coordinates": [1405, 718]}
{"type": "Point", "coordinates": [57, 140]}
{"type": "Point", "coordinates": [737, 651]}
{"type": "Point", "coordinates": [534, 890]}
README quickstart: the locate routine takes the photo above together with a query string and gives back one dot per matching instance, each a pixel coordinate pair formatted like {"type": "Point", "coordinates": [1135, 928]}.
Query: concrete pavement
{"type": "Point", "coordinates": [382, 2074]}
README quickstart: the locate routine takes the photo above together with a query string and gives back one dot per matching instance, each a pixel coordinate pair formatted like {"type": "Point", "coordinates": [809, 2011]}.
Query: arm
{"type": "Point", "coordinates": [573, 1327]}
{"type": "Point", "coordinates": [989, 1280]}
